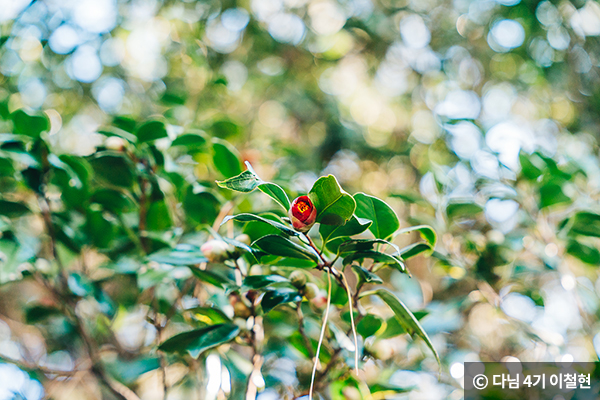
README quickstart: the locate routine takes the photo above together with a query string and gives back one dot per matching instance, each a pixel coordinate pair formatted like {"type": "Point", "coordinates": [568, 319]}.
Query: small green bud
{"type": "Point", "coordinates": [311, 291]}
{"type": "Point", "coordinates": [298, 279]}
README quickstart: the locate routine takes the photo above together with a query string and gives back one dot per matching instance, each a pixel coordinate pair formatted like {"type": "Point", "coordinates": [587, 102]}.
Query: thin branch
{"type": "Point", "coordinates": [314, 371]}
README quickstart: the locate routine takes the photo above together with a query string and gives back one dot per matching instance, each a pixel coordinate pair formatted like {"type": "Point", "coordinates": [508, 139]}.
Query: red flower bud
{"type": "Point", "coordinates": [302, 214]}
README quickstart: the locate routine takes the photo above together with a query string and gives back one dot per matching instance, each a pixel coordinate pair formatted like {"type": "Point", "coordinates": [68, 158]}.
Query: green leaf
{"type": "Point", "coordinates": [369, 325]}
{"type": "Point", "coordinates": [190, 140]}
{"type": "Point", "coordinates": [354, 226]}
{"type": "Point", "coordinates": [12, 209]}
{"type": "Point", "coordinates": [31, 125]}
{"type": "Point", "coordinates": [251, 217]}
{"type": "Point", "coordinates": [129, 371]}
{"type": "Point", "coordinates": [245, 182]}
{"type": "Point", "coordinates": [248, 181]}
{"type": "Point", "coordinates": [334, 206]}
{"type": "Point", "coordinates": [275, 192]}
{"type": "Point", "coordinates": [377, 257]}
{"type": "Point", "coordinates": [427, 233]}
{"type": "Point", "coordinates": [354, 245]}
{"type": "Point", "coordinates": [260, 281]}
{"type": "Point", "coordinates": [182, 255]}
{"type": "Point", "coordinates": [414, 249]}
{"type": "Point", "coordinates": [280, 246]}
{"type": "Point", "coordinates": [199, 340]}
{"type": "Point", "coordinates": [111, 200]}
{"type": "Point", "coordinates": [210, 277]}
{"type": "Point", "coordinates": [38, 313]}
{"type": "Point", "coordinates": [100, 231]}
{"type": "Point", "coordinates": [385, 220]}
{"type": "Point", "coordinates": [225, 128]}
{"type": "Point", "coordinates": [273, 298]}
{"type": "Point", "coordinates": [209, 315]}
{"type": "Point", "coordinates": [125, 123]}
{"type": "Point", "coordinates": [551, 193]}
{"type": "Point", "coordinates": [151, 130]}
{"type": "Point", "coordinates": [365, 275]}
{"type": "Point", "coordinates": [80, 285]}
{"type": "Point", "coordinates": [226, 158]}
{"type": "Point", "coordinates": [586, 224]}
{"type": "Point", "coordinates": [404, 316]}
{"type": "Point", "coordinates": [202, 207]}
{"type": "Point", "coordinates": [462, 210]}
{"type": "Point", "coordinates": [113, 167]}
{"type": "Point", "coordinates": [585, 253]}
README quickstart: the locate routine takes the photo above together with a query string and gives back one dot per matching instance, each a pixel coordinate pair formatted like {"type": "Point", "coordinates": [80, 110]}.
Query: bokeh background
{"type": "Point", "coordinates": [478, 117]}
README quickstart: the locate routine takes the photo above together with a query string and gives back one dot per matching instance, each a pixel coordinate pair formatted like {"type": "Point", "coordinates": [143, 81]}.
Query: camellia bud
{"type": "Point", "coordinates": [319, 302]}
{"type": "Point", "coordinates": [302, 214]}
{"type": "Point", "coordinates": [311, 291]}
{"type": "Point", "coordinates": [298, 279]}
{"type": "Point", "coordinates": [216, 250]}
{"type": "Point", "coordinates": [243, 238]}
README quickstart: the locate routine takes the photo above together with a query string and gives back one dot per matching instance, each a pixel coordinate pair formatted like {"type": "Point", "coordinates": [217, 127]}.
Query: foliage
{"type": "Point", "coordinates": [149, 153]}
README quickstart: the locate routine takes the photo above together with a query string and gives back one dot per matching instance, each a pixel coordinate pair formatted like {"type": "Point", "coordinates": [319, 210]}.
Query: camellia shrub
{"type": "Point", "coordinates": [130, 265]}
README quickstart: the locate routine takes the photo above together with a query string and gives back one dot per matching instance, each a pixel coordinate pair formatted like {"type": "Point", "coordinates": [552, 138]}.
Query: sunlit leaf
{"type": "Point", "coordinates": [280, 246]}
{"type": "Point", "coordinates": [334, 206]}
{"type": "Point", "coordinates": [199, 340]}
{"type": "Point", "coordinates": [385, 220]}
{"type": "Point", "coordinates": [404, 316]}
{"type": "Point", "coordinates": [226, 158]}
{"type": "Point", "coordinates": [275, 297]}
{"type": "Point", "coordinates": [260, 281]}
{"type": "Point", "coordinates": [252, 217]}
{"type": "Point", "coordinates": [151, 130]}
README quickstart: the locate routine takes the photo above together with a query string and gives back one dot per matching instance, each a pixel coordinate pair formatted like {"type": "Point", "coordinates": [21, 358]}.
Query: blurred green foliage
{"type": "Point", "coordinates": [476, 118]}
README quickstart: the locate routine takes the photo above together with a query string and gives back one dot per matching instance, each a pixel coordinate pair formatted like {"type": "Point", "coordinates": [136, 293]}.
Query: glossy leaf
{"type": "Point", "coordinates": [385, 220]}
{"type": "Point", "coordinates": [463, 210]}
{"type": "Point", "coordinates": [226, 158]}
{"type": "Point", "coordinates": [209, 315]}
{"type": "Point", "coordinates": [414, 249]}
{"type": "Point", "coordinates": [113, 167]}
{"type": "Point", "coordinates": [369, 325]}
{"type": "Point", "coordinates": [202, 207]}
{"type": "Point", "coordinates": [260, 281]}
{"type": "Point", "coordinates": [210, 277]}
{"type": "Point", "coordinates": [245, 182]}
{"type": "Point", "coordinates": [586, 224]}
{"type": "Point", "coordinates": [280, 246]}
{"type": "Point", "coordinates": [404, 316]}
{"type": "Point", "coordinates": [252, 217]}
{"type": "Point", "coordinates": [31, 125]}
{"type": "Point", "coordinates": [275, 192]}
{"type": "Point", "coordinates": [354, 226]}
{"type": "Point", "coordinates": [275, 297]}
{"type": "Point", "coordinates": [377, 257]}
{"type": "Point", "coordinates": [248, 181]}
{"type": "Point", "coordinates": [13, 209]}
{"type": "Point", "coordinates": [427, 233]}
{"type": "Point", "coordinates": [585, 253]}
{"type": "Point", "coordinates": [150, 131]}
{"type": "Point", "coordinates": [190, 140]}
{"type": "Point", "coordinates": [182, 255]}
{"type": "Point", "coordinates": [199, 340]}
{"type": "Point", "coordinates": [366, 276]}
{"type": "Point", "coordinates": [334, 206]}
{"type": "Point", "coordinates": [364, 244]}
